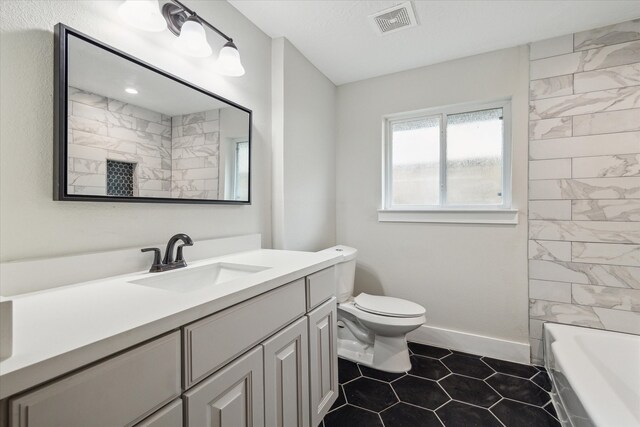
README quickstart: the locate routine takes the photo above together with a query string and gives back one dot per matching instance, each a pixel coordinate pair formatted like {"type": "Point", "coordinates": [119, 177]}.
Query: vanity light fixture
{"type": "Point", "coordinates": [229, 60]}
{"type": "Point", "coordinates": [131, 90]}
{"type": "Point", "coordinates": [193, 39]}
{"type": "Point", "coordinates": [188, 27]}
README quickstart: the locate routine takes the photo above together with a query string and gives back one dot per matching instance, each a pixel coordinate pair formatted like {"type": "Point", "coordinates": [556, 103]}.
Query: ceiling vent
{"type": "Point", "coordinates": [394, 19]}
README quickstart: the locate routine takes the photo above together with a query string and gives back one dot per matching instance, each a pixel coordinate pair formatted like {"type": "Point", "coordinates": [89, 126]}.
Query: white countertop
{"type": "Point", "coordinates": [58, 330]}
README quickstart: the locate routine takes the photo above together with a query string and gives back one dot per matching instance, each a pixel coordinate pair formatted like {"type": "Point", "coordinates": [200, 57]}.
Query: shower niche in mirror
{"type": "Point", "coordinates": [127, 131]}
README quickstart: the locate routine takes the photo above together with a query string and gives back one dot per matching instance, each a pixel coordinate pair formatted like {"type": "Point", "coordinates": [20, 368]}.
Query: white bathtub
{"type": "Point", "coordinates": [595, 376]}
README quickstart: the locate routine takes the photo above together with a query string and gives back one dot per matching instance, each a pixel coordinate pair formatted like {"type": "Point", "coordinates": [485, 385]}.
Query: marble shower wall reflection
{"type": "Point", "coordinates": [195, 155]}
{"type": "Point", "coordinates": [173, 156]}
{"type": "Point", "coordinates": [584, 181]}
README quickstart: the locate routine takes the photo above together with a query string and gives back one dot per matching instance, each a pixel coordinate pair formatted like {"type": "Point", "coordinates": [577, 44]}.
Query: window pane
{"type": "Point", "coordinates": [474, 158]}
{"type": "Point", "coordinates": [241, 189]}
{"type": "Point", "coordinates": [415, 161]}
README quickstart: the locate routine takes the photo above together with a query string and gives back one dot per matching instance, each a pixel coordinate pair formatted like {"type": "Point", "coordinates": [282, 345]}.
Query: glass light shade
{"type": "Point", "coordinates": [193, 39]}
{"type": "Point", "coordinates": [229, 61]}
{"type": "Point", "coordinates": [143, 14]}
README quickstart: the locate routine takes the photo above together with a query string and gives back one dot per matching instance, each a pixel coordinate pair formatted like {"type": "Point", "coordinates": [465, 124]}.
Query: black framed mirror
{"type": "Point", "coordinates": [126, 131]}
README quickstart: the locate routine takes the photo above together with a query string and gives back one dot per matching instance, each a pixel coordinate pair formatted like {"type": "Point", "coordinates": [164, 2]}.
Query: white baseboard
{"type": "Point", "coordinates": [471, 343]}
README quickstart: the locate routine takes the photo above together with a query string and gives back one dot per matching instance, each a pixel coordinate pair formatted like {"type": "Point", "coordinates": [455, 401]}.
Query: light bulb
{"type": "Point", "coordinates": [229, 61]}
{"type": "Point", "coordinates": [131, 90]}
{"type": "Point", "coordinates": [193, 39]}
{"type": "Point", "coordinates": [143, 14]}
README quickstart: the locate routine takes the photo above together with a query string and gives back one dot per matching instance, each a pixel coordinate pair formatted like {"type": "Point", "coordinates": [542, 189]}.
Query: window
{"type": "Point", "coordinates": [241, 171]}
{"type": "Point", "coordinates": [454, 159]}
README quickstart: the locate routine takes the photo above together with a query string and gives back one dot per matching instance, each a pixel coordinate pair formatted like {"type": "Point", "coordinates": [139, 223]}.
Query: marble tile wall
{"type": "Point", "coordinates": [102, 128]}
{"type": "Point", "coordinates": [584, 181]}
{"type": "Point", "coordinates": [195, 155]}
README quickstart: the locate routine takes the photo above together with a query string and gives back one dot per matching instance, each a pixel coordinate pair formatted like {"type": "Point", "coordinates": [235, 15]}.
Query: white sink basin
{"type": "Point", "coordinates": [193, 279]}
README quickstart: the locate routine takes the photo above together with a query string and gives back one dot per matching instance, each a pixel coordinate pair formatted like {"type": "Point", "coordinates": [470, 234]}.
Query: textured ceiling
{"type": "Point", "coordinates": [337, 37]}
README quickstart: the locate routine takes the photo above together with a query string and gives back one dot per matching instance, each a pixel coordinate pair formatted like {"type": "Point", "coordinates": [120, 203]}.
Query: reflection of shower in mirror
{"type": "Point", "coordinates": [134, 133]}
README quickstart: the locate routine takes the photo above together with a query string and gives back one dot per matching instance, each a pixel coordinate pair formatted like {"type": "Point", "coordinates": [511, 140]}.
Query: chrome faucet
{"type": "Point", "coordinates": [168, 263]}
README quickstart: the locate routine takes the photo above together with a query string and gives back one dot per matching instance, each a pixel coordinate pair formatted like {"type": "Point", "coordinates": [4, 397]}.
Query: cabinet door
{"type": "Point", "coordinates": [323, 359]}
{"type": "Point", "coordinates": [286, 377]}
{"type": "Point", "coordinates": [232, 397]}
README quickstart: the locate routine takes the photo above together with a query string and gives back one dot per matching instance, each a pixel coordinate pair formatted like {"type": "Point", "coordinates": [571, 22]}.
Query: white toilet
{"type": "Point", "coordinates": [372, 329]}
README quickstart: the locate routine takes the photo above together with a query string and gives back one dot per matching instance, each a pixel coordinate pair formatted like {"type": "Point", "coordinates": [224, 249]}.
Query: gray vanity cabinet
{"type": "Point", "coordinates": [232, 397]}
{"type": "Point", "coordinates": [286, 377]}
{"type": "Point", "coordinates": [267, 361]}
{"type": "Point", "coordinates": [323, 358]}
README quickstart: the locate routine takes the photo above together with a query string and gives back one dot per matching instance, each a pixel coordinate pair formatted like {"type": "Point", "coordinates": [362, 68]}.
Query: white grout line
{"type": "Point", "coordinates": [335, 409]}
{"type": "Point", "coordinates": [473, 404]}
{"type": "Point", "coordinates": [364, 409]}
{"type": "Point", "coordinates": [422, 378]}
{"type": "Point", "coordinates": [500, 400]}
{"type": "Point", "coordinates": [396, 394]}
{"type": "Point", "coordinates": [494, 415]}
{"type": "Point", "coordinates": [549, 412]}
{"type": "Point", "coordinates": [481, 358]}
{"type": "Point", "coordinates": [466, 376]}
{"type": "Point", "coordinates": [395, 404]}
{"type": "Point", "coordinates": [515, 376]}
{"type": "Point", "coordinates": [438, 417]}
{"type": "Point", "coordinates": [352, 380]}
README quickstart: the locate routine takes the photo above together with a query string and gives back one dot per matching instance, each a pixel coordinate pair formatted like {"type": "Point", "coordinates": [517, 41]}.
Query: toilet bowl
{"type": "Point", "coordinates": [372, 329]}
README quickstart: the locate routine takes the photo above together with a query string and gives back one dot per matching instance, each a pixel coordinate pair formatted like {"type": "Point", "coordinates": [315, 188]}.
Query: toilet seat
{"type": "Point", "coordinates": [388, 306]}
{"type": "Point", "coordinates": [349, 307]}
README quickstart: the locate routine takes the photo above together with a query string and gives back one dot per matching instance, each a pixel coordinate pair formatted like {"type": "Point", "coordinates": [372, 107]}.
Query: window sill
{"type": "Point", "coordinates": [455, 216]}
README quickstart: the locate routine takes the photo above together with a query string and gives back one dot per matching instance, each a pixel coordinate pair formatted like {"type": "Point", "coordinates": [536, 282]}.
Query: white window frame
{"type": "Point", "coordinates": [483, 214]}
{"type": "Point", "coordinates": [233, 175]}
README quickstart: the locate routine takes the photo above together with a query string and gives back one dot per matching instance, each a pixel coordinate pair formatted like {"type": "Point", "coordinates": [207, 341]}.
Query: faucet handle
{"type": "Point", "coordinates": [179, 256]}
{"type": "Point", "coordinates": [156, 255]}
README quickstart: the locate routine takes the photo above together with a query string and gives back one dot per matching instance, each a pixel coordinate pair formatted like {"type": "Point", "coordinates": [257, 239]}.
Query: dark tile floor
{"type": "Point", "coordinates": [443, 388]}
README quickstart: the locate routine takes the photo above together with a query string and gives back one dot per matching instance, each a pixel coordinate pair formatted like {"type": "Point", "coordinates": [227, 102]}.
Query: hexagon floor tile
{"type": "Point", "coordinates": [403, 415]}
{"type": "Point", "coordinates": [420, 392]}
{"type": "Point", "coordinates": [469, 366]}
{"type": "Point", "coordinates": [427, 367]}
{"type": "Point", "coordinates": [445, 388]}
{"type": "Point", "coordinates": [470, 390]}
{"type": "Point", "coordinates": [519, 389]}
{"type": "Point", "coordinates": [370, 394]}
{"type": "Point", "coordinates": [460, 414]}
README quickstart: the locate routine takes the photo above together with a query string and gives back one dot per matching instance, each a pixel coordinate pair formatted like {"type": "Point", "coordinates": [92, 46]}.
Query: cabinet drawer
{"type": "Point", "coordinates": [320, 287]}
{"type": "Point", "coordinates": [216, 340]}
{"type": "Point", "coordinates": [118, 392]}
{"type": "Point", "coordinates": [169, 416]}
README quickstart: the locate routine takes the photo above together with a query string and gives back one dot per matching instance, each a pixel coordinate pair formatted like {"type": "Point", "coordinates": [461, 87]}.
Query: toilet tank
{"type": "Point", "coordinates": [345, 271]}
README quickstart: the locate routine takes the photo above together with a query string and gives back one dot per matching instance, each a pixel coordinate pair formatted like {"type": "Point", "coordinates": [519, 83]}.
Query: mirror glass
{"type": "Point", "coordinates": [134, 132]}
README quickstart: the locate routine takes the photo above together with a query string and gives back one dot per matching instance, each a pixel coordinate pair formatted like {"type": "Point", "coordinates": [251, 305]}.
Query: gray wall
{"type": "Point", "coordinates": [584, 181]}
{"type": "Point", "coordinates": [304, 126]}
{"type": "Point", "coordinates": [470, 277]}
